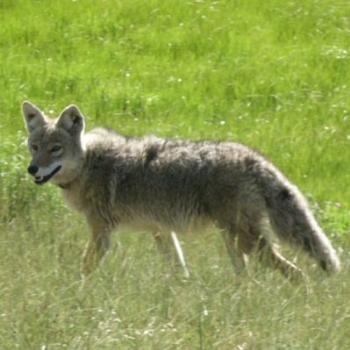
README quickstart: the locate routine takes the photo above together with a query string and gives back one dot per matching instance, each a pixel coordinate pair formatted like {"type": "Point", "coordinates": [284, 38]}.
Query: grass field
{"type": "Point", "coordinates": [274, 75]}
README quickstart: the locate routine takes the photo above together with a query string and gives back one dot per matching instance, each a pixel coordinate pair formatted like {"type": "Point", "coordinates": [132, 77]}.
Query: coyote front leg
{"type": "Point", "coordinates": [166, 244]}
{"type": "Point", "coordinates": [96, 248]}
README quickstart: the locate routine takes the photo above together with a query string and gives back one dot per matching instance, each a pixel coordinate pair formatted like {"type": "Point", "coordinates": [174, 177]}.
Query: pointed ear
{"type": "Point", "coordinates": [33, 117]}
{"type": "Point", "coordinates": [72, 120]}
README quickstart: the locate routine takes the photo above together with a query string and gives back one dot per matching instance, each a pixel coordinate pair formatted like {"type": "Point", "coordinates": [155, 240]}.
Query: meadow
{"type": "Point", "coordinates": [273, 75]}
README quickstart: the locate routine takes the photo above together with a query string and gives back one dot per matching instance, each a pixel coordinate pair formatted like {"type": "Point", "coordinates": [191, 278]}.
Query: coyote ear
{"type": "Point", "coordinates": [72, 120]}
{"type": "Point", "coordinates": [33, 117]}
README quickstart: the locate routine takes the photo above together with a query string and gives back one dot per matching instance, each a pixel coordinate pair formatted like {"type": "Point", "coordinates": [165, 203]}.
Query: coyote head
{"type": "Point", "coordinates": [55, 145]}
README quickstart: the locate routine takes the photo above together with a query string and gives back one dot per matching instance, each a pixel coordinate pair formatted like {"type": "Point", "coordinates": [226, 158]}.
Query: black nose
{"type": "Point", "coordinates": [33, 169]}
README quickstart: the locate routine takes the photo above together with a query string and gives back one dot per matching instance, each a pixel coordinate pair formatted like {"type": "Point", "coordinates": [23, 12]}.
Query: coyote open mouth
{"type": "Point", "coordinates": [40, 180]}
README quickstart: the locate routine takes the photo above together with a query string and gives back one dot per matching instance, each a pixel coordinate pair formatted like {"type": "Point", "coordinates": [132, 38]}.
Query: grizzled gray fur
{"type": "Point", "coordinates": [165, 186]}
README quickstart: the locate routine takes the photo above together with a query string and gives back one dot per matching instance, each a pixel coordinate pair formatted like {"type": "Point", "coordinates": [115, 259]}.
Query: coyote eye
{"type": "Point", "coordinates": [55, 148]}
{"type": "Point", "coordinates": [34, 147]}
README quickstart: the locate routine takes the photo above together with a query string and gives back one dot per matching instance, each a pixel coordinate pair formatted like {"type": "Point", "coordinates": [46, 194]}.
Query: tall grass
{"type": "Point", "coordinates": [273, 74]}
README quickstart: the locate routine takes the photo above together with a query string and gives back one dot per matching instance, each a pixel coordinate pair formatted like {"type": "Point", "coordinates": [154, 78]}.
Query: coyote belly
{"type": "Point", "coordinates": [168, 186]}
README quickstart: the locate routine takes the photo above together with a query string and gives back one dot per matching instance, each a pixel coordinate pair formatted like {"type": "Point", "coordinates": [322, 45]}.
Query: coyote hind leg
{"type": "Point", "coordinates": [269, 254]}
{"type": "Point", "coordinates": [267, 251]}
{"type": "Point", "coordinates": [236, 255]}
{"type": "Point", "coordinates": [252, 235]}
{"type": "Point", "coordinates": [240, 240]}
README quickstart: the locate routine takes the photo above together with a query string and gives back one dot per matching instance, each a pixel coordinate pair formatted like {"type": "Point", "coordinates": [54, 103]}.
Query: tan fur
{"type": "Point", "coordinates": [169, 186]}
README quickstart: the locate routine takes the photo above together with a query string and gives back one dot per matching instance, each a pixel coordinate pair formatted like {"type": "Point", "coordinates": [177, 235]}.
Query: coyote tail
{"type": "Point", "coordinates": [293, 221]}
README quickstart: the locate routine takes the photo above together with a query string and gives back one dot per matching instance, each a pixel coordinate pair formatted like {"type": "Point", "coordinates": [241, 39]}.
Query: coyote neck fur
{"type": "Point", "coordinates": [69, 184]}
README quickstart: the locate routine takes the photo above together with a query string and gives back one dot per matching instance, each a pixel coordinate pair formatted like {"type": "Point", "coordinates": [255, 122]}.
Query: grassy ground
{"type": "Point", "coordinates": [273, 74]}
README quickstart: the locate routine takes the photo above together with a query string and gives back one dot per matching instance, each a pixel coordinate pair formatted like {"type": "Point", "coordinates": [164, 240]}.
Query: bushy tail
{"type": "Point", "coordinates": [293, 221]}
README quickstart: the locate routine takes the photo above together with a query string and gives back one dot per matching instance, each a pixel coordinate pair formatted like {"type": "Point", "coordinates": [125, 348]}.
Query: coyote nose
{"type": "Point", "coordinates": [33, 169]}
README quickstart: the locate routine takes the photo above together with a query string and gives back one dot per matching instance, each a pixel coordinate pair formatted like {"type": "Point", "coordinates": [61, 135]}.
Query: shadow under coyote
{"type": "Point", "coordinates": [173, 186]}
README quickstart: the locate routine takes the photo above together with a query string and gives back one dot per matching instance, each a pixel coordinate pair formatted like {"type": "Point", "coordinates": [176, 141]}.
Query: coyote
{"type": "Point", "coordinates": [173, 186]}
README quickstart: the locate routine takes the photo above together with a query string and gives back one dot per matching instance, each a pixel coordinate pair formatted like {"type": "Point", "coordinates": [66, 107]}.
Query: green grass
{"type": "Point", "coordinates": [274, 75]}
